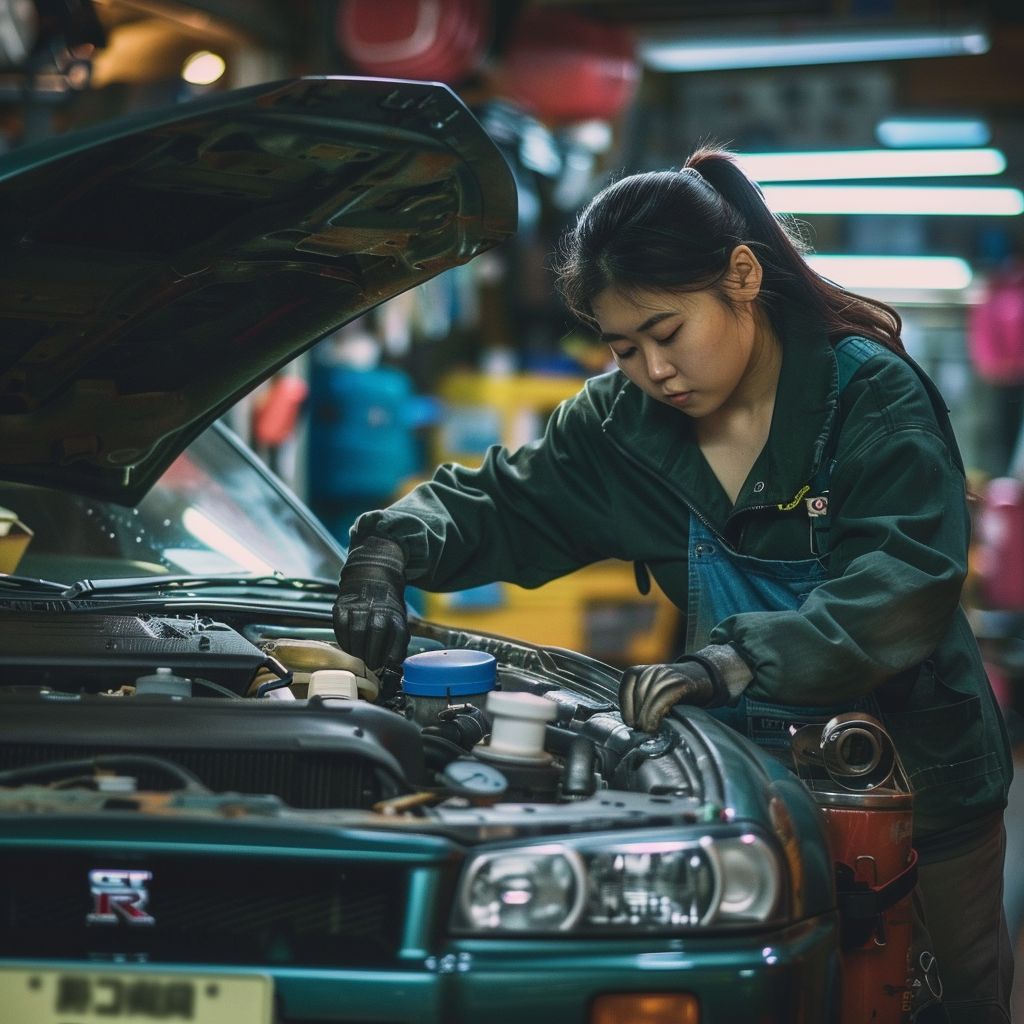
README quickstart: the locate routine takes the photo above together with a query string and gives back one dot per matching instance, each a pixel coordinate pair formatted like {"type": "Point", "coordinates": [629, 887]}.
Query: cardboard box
{"type": "Point", "coordinates": [14, 539]}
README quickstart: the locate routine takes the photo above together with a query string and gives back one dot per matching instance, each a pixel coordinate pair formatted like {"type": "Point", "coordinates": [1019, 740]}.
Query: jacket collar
{"type": "Point", "coordinates": [662, 438]}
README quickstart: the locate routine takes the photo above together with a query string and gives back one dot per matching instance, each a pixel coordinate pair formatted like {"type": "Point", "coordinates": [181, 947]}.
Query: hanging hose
{"type": "Point", "coordinates": [284, 676]}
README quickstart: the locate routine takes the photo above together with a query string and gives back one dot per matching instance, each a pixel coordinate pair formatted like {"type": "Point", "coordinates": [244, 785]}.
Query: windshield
{"type": "Point", "coordinates": [214, 511]}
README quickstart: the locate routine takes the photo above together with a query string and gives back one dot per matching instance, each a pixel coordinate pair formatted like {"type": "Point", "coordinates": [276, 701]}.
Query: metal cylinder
{"type": "Point", "coordinates": [868, 809]}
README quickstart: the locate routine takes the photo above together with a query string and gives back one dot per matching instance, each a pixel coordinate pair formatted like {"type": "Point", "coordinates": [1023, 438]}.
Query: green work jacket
{"type": "Point", "coordinates": [617, 474]}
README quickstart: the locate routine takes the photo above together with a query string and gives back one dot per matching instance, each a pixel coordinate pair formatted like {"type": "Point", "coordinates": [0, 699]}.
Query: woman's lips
{"type": "Point", "coordinates": [678, 397]}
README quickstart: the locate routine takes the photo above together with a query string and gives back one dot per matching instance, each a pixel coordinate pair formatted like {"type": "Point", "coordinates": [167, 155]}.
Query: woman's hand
{"type": "Point", "coordinates": [712, 677]}
{"type": "Point", "coordinates": [370, 620]}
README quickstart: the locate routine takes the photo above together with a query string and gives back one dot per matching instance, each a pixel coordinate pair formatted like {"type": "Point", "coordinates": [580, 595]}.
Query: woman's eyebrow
{"type": "Point", "coordinates": [645, 326]}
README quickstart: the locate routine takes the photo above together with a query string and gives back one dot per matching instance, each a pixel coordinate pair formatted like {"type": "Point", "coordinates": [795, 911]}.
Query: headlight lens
{"type": "Point", "coordinates": [751, 879]}
{"type": "Point", "coordinates": [610, 886]}
{"type": "Point", "coordinates": [652, 885]}
{"type": "Point", "coordinates": [536, 889]}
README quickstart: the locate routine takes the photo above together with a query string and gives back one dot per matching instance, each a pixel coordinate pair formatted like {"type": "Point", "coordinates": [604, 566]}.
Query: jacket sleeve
{"type": "Point", "coordinates": [525, 516]}
{"type": "Point", "coordinates": [897, 553]}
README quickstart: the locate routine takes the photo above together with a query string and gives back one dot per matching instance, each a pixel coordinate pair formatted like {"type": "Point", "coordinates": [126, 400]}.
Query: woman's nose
{"type": "Point", "coordinates": [658, 367]}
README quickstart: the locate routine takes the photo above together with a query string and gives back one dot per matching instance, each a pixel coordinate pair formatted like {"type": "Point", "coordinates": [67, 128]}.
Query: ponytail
{"type": "Point", "coordinates": [677, 230]}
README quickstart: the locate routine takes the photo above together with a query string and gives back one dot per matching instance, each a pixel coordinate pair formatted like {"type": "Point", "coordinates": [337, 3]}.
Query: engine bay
{"type": "Point", "coordinates": [253, 718]}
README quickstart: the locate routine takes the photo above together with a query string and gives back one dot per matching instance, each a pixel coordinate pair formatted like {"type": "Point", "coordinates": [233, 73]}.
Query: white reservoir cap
{"type": "Point", "coordinates": [517, 726]}
{"type": "Point", "coordinates": [333, 682]}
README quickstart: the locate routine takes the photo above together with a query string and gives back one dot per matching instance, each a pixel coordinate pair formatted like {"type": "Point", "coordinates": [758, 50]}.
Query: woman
{"type": "Point", "coordinates": [769, 453]}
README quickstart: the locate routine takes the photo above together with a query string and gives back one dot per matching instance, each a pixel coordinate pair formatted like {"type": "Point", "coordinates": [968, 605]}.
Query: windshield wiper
{"type": "Point", "coordinates": [22, 583]}
{"type": "Point", "coordinates": [138, 584]}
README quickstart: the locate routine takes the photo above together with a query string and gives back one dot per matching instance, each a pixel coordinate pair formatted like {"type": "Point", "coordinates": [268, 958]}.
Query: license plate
{"type": "Point", "coordinates": [49, 995]}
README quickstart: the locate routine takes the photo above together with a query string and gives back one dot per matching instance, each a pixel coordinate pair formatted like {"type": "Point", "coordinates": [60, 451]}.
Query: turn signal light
{"type": "Point", "coordinates": [645, 1008]}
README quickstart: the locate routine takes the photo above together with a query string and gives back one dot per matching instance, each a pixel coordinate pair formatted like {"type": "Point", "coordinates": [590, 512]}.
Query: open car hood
{"type": "Point", "coordinates": [155, 269]}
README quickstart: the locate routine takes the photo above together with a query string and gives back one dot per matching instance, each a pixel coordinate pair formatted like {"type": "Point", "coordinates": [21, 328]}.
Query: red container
{"type": "Point", "coordinates": [851, 766]}
{"type": "Point", "coordinates": [872, 837]}
{"type": "Point", "coordinates": [427, 40]}
{"type": "Point", "coordinates": [563, 67]}
{"type": "Point", "coordinates": [1001, 549]}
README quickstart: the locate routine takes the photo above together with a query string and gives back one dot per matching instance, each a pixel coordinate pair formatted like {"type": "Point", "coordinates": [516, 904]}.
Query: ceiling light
{"type": "Point", "coordinates": [667, 50]}
{"type": "Point", "coordinates": [203, 68]}
{"type": "Point", "coordinates": [895, 199]}
{"type": "Point", "coordinates": [871, 163]}
{"type": "Point", "coordinates": [932, 131]}
{"type": "Point", "coordinates": [894, 272]}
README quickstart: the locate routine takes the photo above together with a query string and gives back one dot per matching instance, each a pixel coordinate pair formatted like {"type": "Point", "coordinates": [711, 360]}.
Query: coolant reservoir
{"type": "Point", "coordinates": [432, 680]}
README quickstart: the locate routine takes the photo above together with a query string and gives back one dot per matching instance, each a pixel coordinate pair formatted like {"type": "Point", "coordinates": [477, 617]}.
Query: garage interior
{"type": "Point", "coordinates": [815, 94]}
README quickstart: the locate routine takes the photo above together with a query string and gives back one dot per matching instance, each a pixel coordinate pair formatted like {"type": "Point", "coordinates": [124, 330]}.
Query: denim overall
{"type": "Point", "coordinates": [722, 582]}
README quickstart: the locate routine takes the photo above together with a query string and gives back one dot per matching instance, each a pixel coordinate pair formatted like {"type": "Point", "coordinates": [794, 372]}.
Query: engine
{"type": "Point", "coordinates": [171, 701]}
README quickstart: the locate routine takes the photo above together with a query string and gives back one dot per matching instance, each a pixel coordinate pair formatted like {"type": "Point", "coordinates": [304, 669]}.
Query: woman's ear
{"type": "Point", "coordinates": [742, 280]}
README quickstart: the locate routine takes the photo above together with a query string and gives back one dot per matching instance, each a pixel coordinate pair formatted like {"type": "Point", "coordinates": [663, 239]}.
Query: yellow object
{"type": "Point", "coordinates": [482, 409]}
{"type": "Point", "coordinates": [596, 610]}
{"type": "Point", "coordinates": [303, 658]}
{"type": "Point", "coordinates": [14, 539]}
{"type": "Point", "coordinates": [645, 1008]}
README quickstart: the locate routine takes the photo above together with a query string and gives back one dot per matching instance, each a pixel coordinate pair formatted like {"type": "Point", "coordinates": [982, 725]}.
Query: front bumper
{"type": "Point", "coordinates": [786, 977]}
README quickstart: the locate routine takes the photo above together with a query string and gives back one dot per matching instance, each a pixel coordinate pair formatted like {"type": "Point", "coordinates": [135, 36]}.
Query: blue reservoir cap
{"type": "Point", "coordinates": [457, 673]}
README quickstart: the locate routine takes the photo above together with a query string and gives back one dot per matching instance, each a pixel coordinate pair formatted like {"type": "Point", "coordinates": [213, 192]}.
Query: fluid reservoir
{"type": "Point", "coordinates": [433, 680]}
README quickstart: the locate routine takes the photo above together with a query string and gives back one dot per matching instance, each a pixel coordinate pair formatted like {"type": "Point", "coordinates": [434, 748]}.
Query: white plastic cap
{"type": "Point", "coordinates": [333, 682]}
{"type": "Point", "coordinates": [517, 724]}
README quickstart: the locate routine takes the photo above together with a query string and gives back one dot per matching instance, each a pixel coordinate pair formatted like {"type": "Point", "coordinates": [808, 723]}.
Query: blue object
{"type": "Point", "coordinates": [449, 673]}
{"type": "Point", "coordinates": [362, 441]}
{"type": "Point", "coordinates": [487, 595]}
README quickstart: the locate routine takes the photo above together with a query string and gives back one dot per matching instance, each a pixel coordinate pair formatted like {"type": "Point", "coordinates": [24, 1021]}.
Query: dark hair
{"type": "Point", "coordinates": [675, 230]}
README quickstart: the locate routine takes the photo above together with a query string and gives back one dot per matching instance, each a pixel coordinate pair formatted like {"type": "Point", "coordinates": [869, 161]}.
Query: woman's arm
{"type": "Point", "coordinates": [526, 517]}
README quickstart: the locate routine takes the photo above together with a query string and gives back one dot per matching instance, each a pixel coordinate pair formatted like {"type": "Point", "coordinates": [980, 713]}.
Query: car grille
{"type": "Point", "coordinates": [213, 908]}
{"type": "Point", "coordinates": [306, 779]}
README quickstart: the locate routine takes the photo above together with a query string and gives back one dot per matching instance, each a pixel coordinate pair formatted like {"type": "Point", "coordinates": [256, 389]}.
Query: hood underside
{"type": "Point", "coordinates": [154, 270]}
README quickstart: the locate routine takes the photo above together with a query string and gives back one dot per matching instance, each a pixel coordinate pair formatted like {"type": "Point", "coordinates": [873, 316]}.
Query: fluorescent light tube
{"type": "Point", "coordinates": [929, 273]}
{"type": "Point", "coordinates": [932, 131]}
{"type": "Point", "coordinates": [678, 52]}
{"type": "Point", "coordinates": [895, 199]}
{"type": "Point", "coordinates": [872, 163]}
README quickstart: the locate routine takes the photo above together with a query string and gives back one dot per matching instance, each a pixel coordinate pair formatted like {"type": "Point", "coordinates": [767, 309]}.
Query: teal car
{"type": "Point", "coordinates": [208, 811]}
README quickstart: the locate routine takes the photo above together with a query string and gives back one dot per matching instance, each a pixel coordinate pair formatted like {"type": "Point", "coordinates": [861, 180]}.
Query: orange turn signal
{"type": "Point", "coordinates": [645, 1008]}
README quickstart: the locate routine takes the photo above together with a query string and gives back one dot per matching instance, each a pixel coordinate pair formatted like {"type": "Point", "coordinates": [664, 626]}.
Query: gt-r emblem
{"type": "Point", "coordinates": [119, 896]}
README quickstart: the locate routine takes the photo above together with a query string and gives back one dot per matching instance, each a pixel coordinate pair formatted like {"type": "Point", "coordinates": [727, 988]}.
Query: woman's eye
{"type": "Point", "coordinates": [623, 353]}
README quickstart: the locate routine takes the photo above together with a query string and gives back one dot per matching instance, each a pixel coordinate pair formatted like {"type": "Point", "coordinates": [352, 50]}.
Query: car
{"type": "Point", "coordinates": [208, 810]}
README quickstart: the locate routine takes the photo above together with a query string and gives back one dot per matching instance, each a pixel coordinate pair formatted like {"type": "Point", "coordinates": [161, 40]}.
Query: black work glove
{"type": "Point", "coordinates": [370, 620]}
{"type": "Point", "coordinates": [648, 692]}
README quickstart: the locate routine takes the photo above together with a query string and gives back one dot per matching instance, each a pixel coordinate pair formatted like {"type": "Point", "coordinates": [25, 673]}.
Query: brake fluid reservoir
{"type": "Point", "coordinates": [433, 680]}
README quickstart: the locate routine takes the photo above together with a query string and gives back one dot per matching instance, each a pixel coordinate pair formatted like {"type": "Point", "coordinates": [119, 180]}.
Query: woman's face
{"type": "Point", "coordinates": [689, 350]}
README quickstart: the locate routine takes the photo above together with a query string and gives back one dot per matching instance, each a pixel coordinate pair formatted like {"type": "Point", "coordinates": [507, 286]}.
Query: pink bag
{"type": "Point", "coordinates": [995, 339]}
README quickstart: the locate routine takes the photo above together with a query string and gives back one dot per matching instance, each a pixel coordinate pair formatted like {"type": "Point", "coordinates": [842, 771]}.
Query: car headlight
{"type": "Point", "coordinates": [608, 885]}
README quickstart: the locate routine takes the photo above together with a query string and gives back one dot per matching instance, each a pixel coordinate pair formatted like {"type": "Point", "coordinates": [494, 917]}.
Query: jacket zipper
{"type": "Point", "coordinates": [682, 497]}
{"type": "Point", "coordinates": [661, 480]}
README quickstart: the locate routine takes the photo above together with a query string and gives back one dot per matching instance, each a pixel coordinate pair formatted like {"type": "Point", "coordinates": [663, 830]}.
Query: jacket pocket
{"type": "Point", "coordinates": [940, 745]}
{"type": "Point", "coordinates": [952, 770]}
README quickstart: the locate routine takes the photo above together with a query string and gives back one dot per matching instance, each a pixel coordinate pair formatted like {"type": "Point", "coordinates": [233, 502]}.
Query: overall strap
{"type": "Point", "coordinates": [851, 354]}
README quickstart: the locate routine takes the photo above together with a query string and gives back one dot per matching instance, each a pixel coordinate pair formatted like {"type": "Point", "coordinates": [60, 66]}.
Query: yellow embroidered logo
{"type": "Point", "coordinates": [797, 498]}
